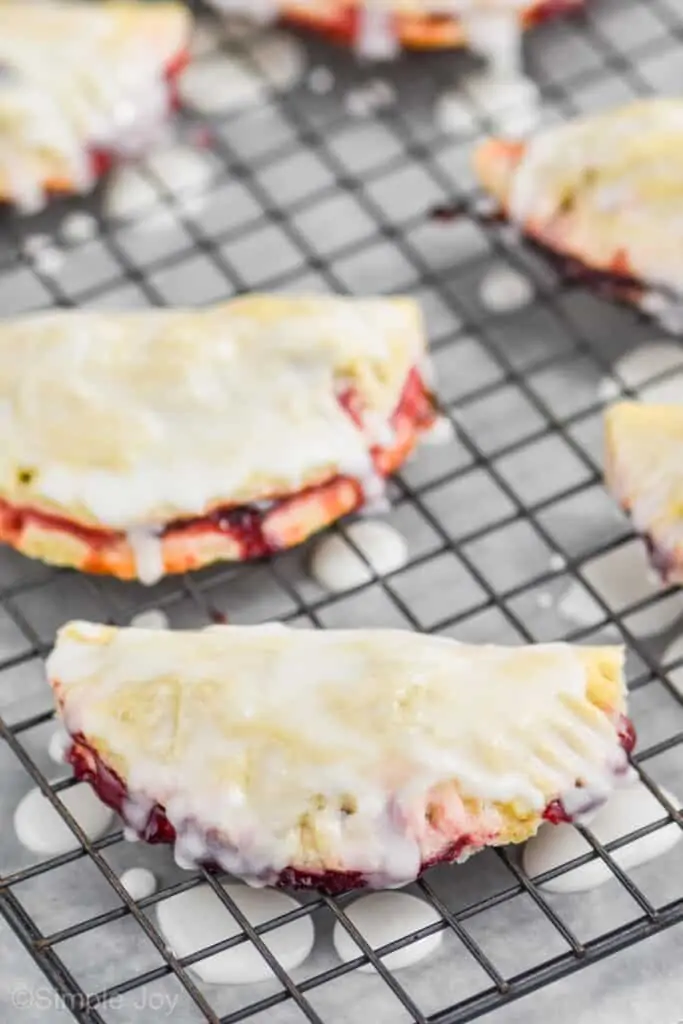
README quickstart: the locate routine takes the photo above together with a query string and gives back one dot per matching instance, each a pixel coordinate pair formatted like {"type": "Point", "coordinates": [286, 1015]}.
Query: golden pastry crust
{"type": "Point", "coordinates": [307, 730]}
{"type": "Point", "coordinates": [644, 472]}
{"type": "Point", "coordinates": [415, 27]}
{"type": "Point", "coordinates": [225, 433]}
{"type": "Point", "coordinates": [68, 62]}
{"type": "Point", "coordinates": [602, 191]}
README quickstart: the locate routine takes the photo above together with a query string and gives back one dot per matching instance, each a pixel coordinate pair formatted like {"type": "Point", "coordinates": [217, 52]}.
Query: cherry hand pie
{"type": "Point", "coordinates": [419, 24]}
{"type": "Point", "coordinates": [138, 444]}
{"type": "Point", "coordinates": [606, 192]}
{"type": "Point", "coordinates": [79, 83]}
{"type": "Point", "coordinates": [644, 471]}
{"type": "Point", "coordinates": [337, 759]}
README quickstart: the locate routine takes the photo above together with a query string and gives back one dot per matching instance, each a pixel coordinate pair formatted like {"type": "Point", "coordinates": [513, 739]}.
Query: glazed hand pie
{"type": "Point", "coordinates": [79, 83]}
{"type": "Point", "coordinates": [375, 25]}
{"type": "Point", "coordinates": [138, 444]}
{"type": "Point", "coordinates": [644, 471]}
{"type": "Point", "coordinates": [605, 191]}
{"type": "Point", "coordinates": [378, 28]}
{"type": "Point", "coordinates": [337, 759]}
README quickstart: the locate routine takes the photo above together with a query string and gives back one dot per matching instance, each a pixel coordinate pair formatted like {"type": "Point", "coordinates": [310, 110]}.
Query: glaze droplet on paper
{"type": "Point", "coordinates": [60, 741]}
{"type": "Point", "coordinates": [153, 618]}
{"type": "Point", "coordinates": [441, 432]}
{"type": "Point", "coordinates": [197, 918]}
{"type": "Point", "coordinates": [40, 828]}
{"type": "Point", "coordinates": [336, 566]}
{"type": "Point", "coordinates": [129, 194]}
{"type": "Point", "coordinates": [504, 290]}
{"type": "Point", "coordinates": [626, 811]}
{"type": "Point", "coordinates": [139, 883]}
{"type": "Point", "coordinates": [384, 917]}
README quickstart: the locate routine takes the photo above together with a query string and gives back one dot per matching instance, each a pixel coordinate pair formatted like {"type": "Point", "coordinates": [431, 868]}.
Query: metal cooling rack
{"type": "Point", "coordinates": [311, 198]}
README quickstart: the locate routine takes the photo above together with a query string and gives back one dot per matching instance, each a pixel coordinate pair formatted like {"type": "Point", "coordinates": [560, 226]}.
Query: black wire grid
{"type": "Point", "coordinates": [511, 510]}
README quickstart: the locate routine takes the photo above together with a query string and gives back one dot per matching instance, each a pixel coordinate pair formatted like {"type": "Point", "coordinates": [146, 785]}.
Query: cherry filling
{"type": "Point", "coordinates": [266, 527]}
{"type": "Point", "coordinates": [89, 767]}
{"type": "Point", "coordinates": [345, 26]}
{"type": "Point", "coordinates": [626, 733]}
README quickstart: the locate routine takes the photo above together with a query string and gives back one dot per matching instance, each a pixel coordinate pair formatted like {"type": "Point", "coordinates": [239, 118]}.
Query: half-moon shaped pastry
{"type": "Point", "coordinates": [79, 83]}
{"type": "Point", "coordinates": [138, 444]}
{"type": "Point", "coordinates": [337, 759]}
{"type": "Point", "coordinates": [644, 472]}
{"type": "Point", "coordinates": [606, 192]}
{"type": "Point", "coordinates": [418, 24]}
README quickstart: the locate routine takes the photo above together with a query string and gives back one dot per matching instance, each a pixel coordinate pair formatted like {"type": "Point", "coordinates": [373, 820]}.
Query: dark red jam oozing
{"type": "Point", "coordinates": [256, 529]}
{"type": "Point", "coordinates": [89, 767]}
{"type": "Point", "coordinates": [626, 732]}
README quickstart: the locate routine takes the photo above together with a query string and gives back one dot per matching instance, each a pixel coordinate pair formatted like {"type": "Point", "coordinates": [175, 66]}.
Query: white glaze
{"type": "Point", "coordinates": [147, 553]}
{"type": "Point", "coordinates": [49, 261]}
{"type": "Point", "coordinates": [128, 193]}
{"type": "Point", "coordinates": [384, 917]}
{"type": "Point", "coordinates": [243, 691]}
{"type": "Point", "coordinates": [376, 36]}
{"type": "Point", "coordinates": [182, 169]}
{"type": "Point", "coordinates": [625, 156]}
{"type": "Point", "coordinates": [78, 227]}
{"type": "Point", "coordinates": [77, 82]}
{"type": "Point", "coordinates": [336, 566]}
{"type": "Point", "coordinates": [139, 883]}
{"type": "Point", "coordinates": [557, 562]}
{"type": "Point", "coordinates": [60, 741]}
{"type": "Point", "coordinates": [442, 432]}
{"type": "Point", "coordinates": [196, 919]}
{"type": "Point", "coordinates": [320, 80]}
{"type": "Point", "coordinates": [40, 828]}
{"type": "Point", "coordinates": [153, 618]}
{"type": "Point", "coordinates": [626, 811]}
{"type": "Point", "coordinates": [607, 390]}
{"type": "Point", "coordinates": [504, 290]}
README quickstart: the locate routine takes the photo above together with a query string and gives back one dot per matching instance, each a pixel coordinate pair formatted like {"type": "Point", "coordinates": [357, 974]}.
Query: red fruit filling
{"type": "Point", "coordinates": [256, 529]}
{"type": "Point", "coordinates": [626, 732]}
{"type": "Point", "coordinates": [89, 767]}
{"type": "Point", "coordinates": [346, 26]}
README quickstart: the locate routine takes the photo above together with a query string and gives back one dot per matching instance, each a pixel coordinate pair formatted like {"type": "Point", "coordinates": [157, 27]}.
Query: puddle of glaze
{"type": "Point", "coordinates": [40, 828]}
{"type": "Point", "coordinates": [153, 618]}
{"type": "Point", "coordinates": [139, 883]}
{"type": "Point", "coordinates": [320, 81]}
{"type": "Point", "coordinates": [195, 919]}
{"type": "Point", "coordinates": [607, 390]}
{"type": "Point", "coordinates": [627, 810]}
{"type": "Point", "coordinates": [384, 917]}
{"type": "Point", "coordinates": [182, 169]}
{"type": "Point", "coordinates": [504, 290]}
{"type": "Point", "coordinates": [441, 432]}
{"type": "Point", "coordinates": [78, 227]}
{"type": "Point", "coordinates": [336, 566]}
{"type": "Point", "coordinates": [60, 741]}
{"type": "Point", "coordinates": [129, 194]}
